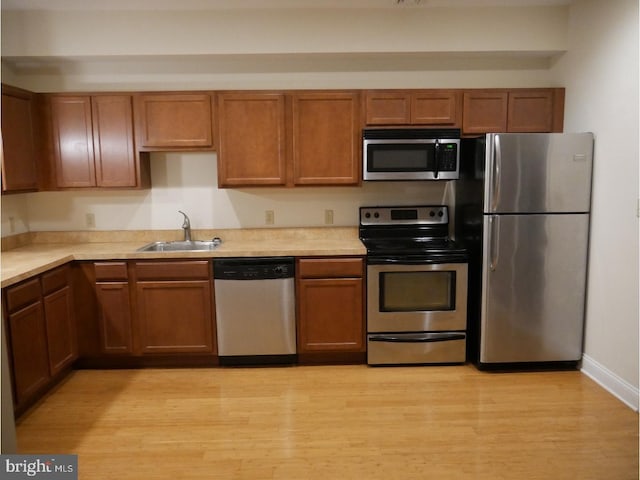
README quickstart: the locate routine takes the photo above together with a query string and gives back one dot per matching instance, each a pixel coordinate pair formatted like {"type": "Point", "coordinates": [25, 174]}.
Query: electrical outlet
{"type": "Point", "coordinates": [90, 220]}
{"type": "Point", "coordinates": [269, 217]}
{"type": "Point", "coordinates": [12, 224]}
{"type": "Point", "coordinates": [328, 217]}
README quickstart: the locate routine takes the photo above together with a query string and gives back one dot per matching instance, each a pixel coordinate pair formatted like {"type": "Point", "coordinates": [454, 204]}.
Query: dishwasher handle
{"type": "Point", "coordinates": [254, 268]}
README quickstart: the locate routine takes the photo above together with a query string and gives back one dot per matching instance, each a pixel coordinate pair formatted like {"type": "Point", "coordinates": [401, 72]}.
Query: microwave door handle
{"type": "Point", "coordinates": [436, 158]}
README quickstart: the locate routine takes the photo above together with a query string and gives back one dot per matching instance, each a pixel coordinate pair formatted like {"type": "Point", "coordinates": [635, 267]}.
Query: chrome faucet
{"type": "Point", "coordinates": [186, 226]}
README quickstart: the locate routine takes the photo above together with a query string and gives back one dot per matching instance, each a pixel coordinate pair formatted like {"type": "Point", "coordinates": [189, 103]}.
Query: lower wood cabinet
{"type": "Point", "coordinates": [61, 336]}
{"type": "Point", "coordinates": [330, 304]}
{"type": "Point", "coordinates": [153, 307]}
{"type": "Point", "coordinates": [114, 308]}
{"type": "Point", "coordinates": [28, 347]}
{"type": "Point", "coordinates": [175, 316]}
{"type": "Point", "coordinates": [41, 336]}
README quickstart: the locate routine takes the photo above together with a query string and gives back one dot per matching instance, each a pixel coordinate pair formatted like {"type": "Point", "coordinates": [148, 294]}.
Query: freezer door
{"type": "Point", "coordinates": [538, 172]}
{"type": "Point", "coordinates": [533, 296]}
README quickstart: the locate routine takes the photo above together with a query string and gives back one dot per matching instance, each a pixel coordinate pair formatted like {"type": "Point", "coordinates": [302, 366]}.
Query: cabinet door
{"type": "Point", "coordinates": [388, 108]}
{"type": "Point", "coordinates": [19, 158]}
{"type": "Point", "coordinates": [73, 141]}
{"type": "Point", "coordinates": [115, 159]}
{"type": "Point", "coordinates": [174, 120]}
{"type": "Point", "coordinates": [437, 107]}
{"type": "Point", "coordinates": [326, 138]}
{"type": "Point", "coordinates": [29, 356]}
{"type": "Point", "coordinates": [530, 111]}
{"type": "Point", "coordinates": [175, 316]}
{"type": "Point", "coordinates": [114, 317]}
{"type": "Point", "coordinates": [61, 342]}
{"type": "Point", "coordinates": [251, 139]}
{"type": "Point", "coordinates": [330, 315]}
{"type": "Point", "coordinates": [484, 111]}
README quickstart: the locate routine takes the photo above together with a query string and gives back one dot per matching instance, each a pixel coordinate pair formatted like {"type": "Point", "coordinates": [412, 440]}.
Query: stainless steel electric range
{"type": "Point", "coordinates": [416, 286]}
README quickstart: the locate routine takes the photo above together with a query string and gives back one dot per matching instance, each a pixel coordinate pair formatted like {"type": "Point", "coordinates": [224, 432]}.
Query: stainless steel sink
{"type": "Point", "coordinates": [182, 246]}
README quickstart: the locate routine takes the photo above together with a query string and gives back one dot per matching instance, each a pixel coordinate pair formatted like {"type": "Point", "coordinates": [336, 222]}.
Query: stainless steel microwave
{"type": "Point", "coordinates": [411, 154]}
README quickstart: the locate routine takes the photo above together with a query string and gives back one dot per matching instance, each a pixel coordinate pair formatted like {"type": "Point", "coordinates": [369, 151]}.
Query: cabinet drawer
{"type": "Point", "coordinates": [110, 271]}
{"type": "Point", "coordinates": [22, 295]}
{"type": "Point", "coordinates": [55, 280]}
{"type": "Point", "coordinates": [173, 270]}
{"type": "Point", "coordinates": [330, 267]}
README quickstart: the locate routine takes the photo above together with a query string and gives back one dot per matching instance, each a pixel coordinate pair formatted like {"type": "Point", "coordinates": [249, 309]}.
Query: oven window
{"type": "Point", "coordinates": [400, 158]}
{"type": "Point", "coordinates": [417, 291]}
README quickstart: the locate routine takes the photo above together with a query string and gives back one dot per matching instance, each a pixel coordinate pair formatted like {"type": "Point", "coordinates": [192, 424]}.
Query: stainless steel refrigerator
{"type": "Point", "coordinates": [522, 206]}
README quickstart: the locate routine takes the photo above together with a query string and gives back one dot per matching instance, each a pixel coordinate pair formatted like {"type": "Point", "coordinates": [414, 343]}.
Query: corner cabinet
{"type": "Point", "coordinates": [19, 171]}
{"type": "Point", "coordinates": [330, 309]}
{"type": "Point", "coordinates": [93, 143]}
{"type": "Point", "coordinates": [288, 138]}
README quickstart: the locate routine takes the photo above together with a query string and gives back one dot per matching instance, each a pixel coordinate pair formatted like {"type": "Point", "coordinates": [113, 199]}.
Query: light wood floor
{"type": "Point", "coordinates": [334, 423]}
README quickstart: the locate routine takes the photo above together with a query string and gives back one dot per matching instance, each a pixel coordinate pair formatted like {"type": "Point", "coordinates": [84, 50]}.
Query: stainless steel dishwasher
{"type": "Point", "coordinates": [255, 310]}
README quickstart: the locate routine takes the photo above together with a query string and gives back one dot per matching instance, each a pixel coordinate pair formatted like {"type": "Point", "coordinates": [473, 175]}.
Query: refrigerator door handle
{"type": "Point", "coordinates": [494, 247]}
{"type": "Point", "coordinates": [495, 180]}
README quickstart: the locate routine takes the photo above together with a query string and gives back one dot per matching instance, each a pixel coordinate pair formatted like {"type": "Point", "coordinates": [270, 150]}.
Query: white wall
{"type": "Point", "coordinates": [294, 31]}
{"type": "Point", "coordinates": [188, 182]}
{"type": "Point", "coordinates": [600, 72]}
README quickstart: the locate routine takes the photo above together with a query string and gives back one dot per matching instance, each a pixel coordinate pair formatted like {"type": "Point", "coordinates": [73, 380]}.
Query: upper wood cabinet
{"type": "Point", "coordinates": [292, 139]}
{"type": "Point", "coordinates": [251, 139]}
{"type": "Point", "coordinates": [19, 172]}
{"type": "Point", "coordinates": [93, 144]}
{"type": "Point", "coordinates": [73, 141]}
{"type": "Point", "coordinates": [515, 110]}
{"type": "Point", "coordinates": [174, 121]}
{"type": "Point", "coordinates": [535, 110]}
{"type": "Point", "coordinates": [326, 140]}
{"type": "Point", "coordinates": [414, 107]}
{"type": "Point", "coordinates": [485, 111]}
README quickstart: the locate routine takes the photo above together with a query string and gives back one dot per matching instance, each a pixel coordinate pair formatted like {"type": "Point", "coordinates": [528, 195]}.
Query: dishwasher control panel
{"type": "Point", "coordinates": [252, 268]}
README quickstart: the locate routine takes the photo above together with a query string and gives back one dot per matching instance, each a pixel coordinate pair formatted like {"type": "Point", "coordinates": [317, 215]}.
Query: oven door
{"type": "Point", "coordinates": [416, 298]}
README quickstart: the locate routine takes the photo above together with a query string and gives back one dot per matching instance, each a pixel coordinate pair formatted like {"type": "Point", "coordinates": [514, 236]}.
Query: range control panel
{"type": "Point", "coordinates": [410, 215]}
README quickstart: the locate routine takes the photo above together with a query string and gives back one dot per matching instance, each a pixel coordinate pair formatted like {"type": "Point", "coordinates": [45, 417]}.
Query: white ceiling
{"type": "Point", "coordinates": [241, 4]}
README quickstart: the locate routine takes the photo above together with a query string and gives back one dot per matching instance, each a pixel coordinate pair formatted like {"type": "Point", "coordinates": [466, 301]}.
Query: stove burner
{"type": "Point", "coordinates": [416, 233]}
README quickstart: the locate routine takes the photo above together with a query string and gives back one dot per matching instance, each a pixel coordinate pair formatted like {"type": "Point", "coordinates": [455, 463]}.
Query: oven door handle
{"type": "Point", "coordinates": [416, 337]}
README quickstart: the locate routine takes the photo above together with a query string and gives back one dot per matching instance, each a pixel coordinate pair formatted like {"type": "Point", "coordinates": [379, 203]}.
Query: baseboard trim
{"type": "Point", "coordinates": [619, 388]}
